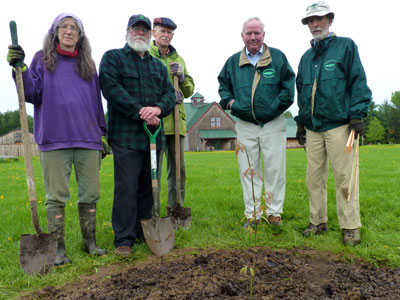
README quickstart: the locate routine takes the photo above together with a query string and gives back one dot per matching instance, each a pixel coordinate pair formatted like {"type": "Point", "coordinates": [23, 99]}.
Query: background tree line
{"type": "Point", "coordinates": [382, 123]}
{"type": "Point", "coordinates": [9, 121]}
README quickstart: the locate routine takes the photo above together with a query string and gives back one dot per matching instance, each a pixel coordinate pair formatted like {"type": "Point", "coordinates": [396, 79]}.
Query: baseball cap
{"type": "Point", "coordinates": [139, 18]}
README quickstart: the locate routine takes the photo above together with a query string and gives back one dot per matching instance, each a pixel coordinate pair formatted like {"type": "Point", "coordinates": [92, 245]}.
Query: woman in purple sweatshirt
{"type": "Point", "coordinates": [63, 86]}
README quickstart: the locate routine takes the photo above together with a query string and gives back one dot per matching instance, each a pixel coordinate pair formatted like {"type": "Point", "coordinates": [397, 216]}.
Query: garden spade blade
{"type": "Point", "coordinates": [181, 216]}
{"type": "Point", "coordinates": [159, 235]}
{"type": "Point", "coordinates": [158, 232]}
{"type": "Point", "coordinates": [37, 252]}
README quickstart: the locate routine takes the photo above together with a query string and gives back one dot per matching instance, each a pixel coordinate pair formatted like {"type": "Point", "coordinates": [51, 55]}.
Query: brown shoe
{"type": "Point", "coordinates": [275, 220]}
{"type": "Point", "coordinates": [315, 229]}
{"type": "Point", "coordinates": [351, 237]}
{"type": "Point", "coordinates": [123, 251]}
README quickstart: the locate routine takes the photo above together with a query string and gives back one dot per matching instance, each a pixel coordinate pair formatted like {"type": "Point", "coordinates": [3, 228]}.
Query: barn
{"type": "Point", "coordinates": [209, 127]}
{"type": "Point", "coordinates": [11, 144]}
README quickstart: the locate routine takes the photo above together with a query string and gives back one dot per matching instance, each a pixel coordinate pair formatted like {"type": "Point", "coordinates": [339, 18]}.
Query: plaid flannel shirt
{"type": "Point", "coordinates": [129, 83]}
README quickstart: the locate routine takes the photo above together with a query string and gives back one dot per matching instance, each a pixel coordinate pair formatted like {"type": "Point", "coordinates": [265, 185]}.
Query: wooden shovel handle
{"type": "Point", "coordinates": [350, 141]}
{"type": "Point", "coordinates": [25, 135]}
{"type": "Point", "coordinates": [177, 147]}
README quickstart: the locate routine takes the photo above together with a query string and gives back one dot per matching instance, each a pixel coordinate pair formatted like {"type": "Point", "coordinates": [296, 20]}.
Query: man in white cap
{"type": "Point", "coordinates": [333, 99]}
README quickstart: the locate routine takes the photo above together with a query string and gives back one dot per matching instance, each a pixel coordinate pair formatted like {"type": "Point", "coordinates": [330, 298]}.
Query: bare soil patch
{"type": "Point", "coordinates": [191, 274]}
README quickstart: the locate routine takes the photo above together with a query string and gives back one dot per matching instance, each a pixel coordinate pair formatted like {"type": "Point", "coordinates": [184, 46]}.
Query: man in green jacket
{"type": "Point", "coordinates": [257, 85]}
{"type": "Point", "coordinates": [333, 99]}
{"type": "Point", "coordinates": [161, 48]}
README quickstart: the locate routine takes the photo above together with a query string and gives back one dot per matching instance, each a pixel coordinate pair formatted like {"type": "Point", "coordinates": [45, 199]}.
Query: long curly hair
{"type": "Point", "coordinates": [84, 62]}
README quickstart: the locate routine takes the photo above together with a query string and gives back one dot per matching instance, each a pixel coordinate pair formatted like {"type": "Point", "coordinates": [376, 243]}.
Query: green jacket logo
{"type": "Point", "coordinates": [330, 65]}
{"type": "Point", "coordinates": [269, 73]}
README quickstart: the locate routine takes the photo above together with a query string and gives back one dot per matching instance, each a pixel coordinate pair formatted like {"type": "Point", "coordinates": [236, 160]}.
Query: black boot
{"type": "Point", "coordinates": [87, 218]}
{"type": "Point", "coordinates": [55, 223]}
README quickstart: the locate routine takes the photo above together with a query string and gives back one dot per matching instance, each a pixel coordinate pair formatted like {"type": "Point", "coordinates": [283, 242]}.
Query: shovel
{"type": "Point", "coordinates": [354, 168]}
{"type": "Point", "coordinates": [180, 216]}
{"type": "Point", "coordinates": [158, 232]}
{"type": "Point", "coordinates": [37, 252]}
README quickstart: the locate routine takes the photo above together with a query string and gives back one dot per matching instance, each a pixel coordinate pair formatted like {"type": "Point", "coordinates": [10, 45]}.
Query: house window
{"type": "Point", "coordinates": [18, 137]}
{"type": "Point", "coordinates": [212, 122]}
{"type": "Point", "coordinates": [218, 122]}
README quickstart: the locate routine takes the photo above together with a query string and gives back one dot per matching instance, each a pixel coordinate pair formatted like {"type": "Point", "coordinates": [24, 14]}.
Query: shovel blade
{"type": "Point", "coordinates": [38, 253]}
{"type": "Point", "coordinates": [182, 218]}
{"type": "Point", "coordinates": [159, 235]}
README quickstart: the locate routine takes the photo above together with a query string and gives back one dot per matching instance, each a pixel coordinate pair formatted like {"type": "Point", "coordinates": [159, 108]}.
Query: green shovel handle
{"type": "Point", "coordinates": [14, 38]}
{"type": "Point", "coordinates": [154, 135]}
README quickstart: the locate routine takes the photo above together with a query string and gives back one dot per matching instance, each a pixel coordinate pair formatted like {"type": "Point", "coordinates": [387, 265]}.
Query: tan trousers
{"type": "Point", "coordinates": [331, 145]}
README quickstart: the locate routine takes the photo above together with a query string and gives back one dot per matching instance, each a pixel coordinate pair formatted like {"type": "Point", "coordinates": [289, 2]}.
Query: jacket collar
{"type": "Point", "coordinates": [322, 44]}
{"type": "Point", "coordinates": [265, 59]}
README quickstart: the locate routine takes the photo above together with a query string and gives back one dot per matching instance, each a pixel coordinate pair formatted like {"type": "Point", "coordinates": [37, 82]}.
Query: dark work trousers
{"type": "Point", "coordinates": [133, 199]}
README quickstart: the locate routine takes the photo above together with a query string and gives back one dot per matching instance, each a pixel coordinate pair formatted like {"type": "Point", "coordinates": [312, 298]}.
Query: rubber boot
{"type": "Point", "coordinates": [55, 223]}
{"type": "Point", "coordinates": [87, 218]}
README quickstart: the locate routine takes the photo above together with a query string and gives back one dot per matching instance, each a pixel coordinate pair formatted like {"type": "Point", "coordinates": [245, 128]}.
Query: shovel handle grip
{"type": "Point", "coordinates": [25, 135]}
{"type": "Point", "coordinates": [14, 37]}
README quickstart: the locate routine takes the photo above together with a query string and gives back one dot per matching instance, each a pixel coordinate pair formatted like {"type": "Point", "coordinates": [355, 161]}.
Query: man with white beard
{"type": "Point", "coordinates": [137, 89]}
{"type": "Point", "coordinates": [333, 98]}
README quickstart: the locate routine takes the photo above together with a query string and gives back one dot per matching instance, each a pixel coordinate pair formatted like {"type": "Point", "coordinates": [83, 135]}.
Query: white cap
{"type": "Point", "coordinates": [319, 8]}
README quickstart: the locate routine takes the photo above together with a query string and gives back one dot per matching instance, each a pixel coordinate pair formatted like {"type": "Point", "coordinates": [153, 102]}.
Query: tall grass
{"type": "Point", "coordinates": [214, 193]}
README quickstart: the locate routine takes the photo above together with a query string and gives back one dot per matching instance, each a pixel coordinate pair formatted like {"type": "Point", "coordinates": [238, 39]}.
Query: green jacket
{"type": "Point", "coordinates": [186, 88]}
{"type": "Point", "coordinates": [332, 69]}
{"type": "Point", "coordinates": [261, 93]}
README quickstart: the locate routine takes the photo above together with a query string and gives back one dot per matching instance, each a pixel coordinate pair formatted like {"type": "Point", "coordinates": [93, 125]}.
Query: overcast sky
{"type": "Point", "coordinates": [209, 32]}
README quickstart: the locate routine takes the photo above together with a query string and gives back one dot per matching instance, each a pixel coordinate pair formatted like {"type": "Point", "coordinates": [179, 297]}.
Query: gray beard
{"type": "Point", "coordinates": [137, 45]}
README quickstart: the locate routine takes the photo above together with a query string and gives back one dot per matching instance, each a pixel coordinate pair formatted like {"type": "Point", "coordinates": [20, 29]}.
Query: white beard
{"type": "Point", "coordinates": [137, 44]}
{"type": "Point", "coordinates": [321, 35]}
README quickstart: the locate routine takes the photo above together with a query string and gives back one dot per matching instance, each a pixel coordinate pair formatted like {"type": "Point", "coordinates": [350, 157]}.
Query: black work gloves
{"type": "Point", "coordinates": [301, 134]}
{"type": "Point", "coordinates": [15, 54]}
{"type": "Point", "coordinates": [358, 126]}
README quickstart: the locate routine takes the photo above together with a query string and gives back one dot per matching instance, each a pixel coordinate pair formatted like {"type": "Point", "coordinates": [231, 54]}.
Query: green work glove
{"type": "Point", "coordinates": [106, 148]}
{"type": "Point", "coordinates": [15, 54]}
{"type": "Point", "coordinates": [358, 126]}
{"type": "Point", "coordinates": [301, 134]}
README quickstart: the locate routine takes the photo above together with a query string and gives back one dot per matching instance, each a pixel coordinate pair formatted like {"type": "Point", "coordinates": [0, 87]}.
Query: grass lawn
{"type": "Point", "coordinates": [215, 196]}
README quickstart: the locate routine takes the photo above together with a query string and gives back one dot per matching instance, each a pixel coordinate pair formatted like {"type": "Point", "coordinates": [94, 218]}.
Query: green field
{"type": "Point", "coordinates": [215, 196]}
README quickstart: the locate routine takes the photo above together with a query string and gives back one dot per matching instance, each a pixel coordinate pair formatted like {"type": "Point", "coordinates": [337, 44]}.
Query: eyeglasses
{"type": "Point", "coordinates": [140, 28]}
{"type": "Point", "coordinates": [65, 27]}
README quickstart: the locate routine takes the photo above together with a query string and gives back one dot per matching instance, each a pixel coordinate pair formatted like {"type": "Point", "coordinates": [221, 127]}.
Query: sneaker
{"type": "Point", "coordinates": [351, 237]}
{"type": "Point", "coordinates": [315, 229]}
{"type": "Point", "coordinates": [123, 251]}
{"type": "Point", "coordinates": [275, 220]}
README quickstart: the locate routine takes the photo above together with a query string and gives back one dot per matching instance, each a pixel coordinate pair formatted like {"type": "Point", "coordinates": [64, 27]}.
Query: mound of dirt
{"type": "Point", "coordinates": [199, 274]}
